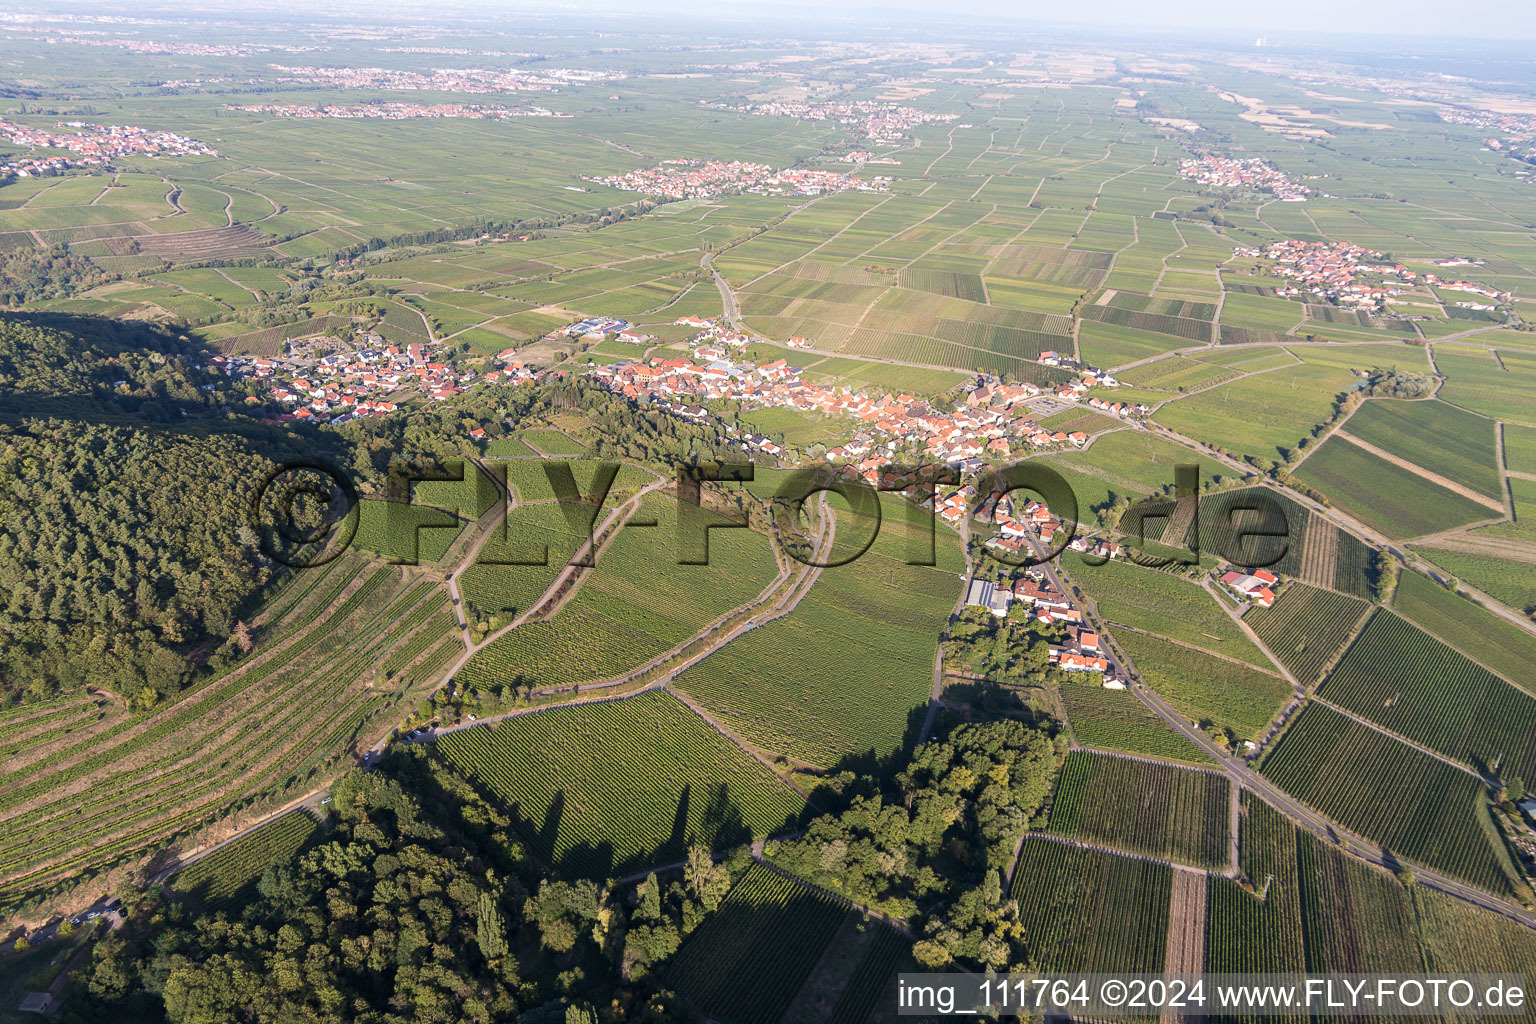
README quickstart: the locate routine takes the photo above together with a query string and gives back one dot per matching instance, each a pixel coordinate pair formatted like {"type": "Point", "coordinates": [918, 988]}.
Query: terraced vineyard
{"type": "Point", "coordinates": [622, 783]}
{"type": "Point", "coordinates": [266, 727]}
{"type": "Point", "coordinates": [1420, 808]}
{"type": "Point", "coordinates": [229, 874]}
{"type": "Point", "coordinates": [1404, 679]}
{"type": "Point", "coordinates": [1153, 809]}
{"type": "Point", "coordinates": [745, 964]}
{"type": "Point", "coordinates": [1307, 627]}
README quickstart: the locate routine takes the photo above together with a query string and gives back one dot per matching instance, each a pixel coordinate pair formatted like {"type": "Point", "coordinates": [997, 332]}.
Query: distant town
{"type": "Point", "coordinates": [1333, 271]}
{"type": "Point", "coordinates": [884, 124]}
{"type": "Point", "coordinates": [1225, 172]}
{"type": "Point", "coordinates": [93, 145]}
{"type": "Point", "coordinates": [708, 179]}
{"type": "Point", "coordinates": [396, 110]}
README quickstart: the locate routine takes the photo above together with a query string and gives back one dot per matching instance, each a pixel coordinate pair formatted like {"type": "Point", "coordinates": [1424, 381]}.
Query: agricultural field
{"type": "Point", "coordinates": [228, 876]}
{"type": "Point", "coordinates": [1509, 580]}
{"type": "Point", "coordinates": [636, 604]}
{"type": "Point", "coordinates": [1167, 605]}
{"type": "Point", "coordinates": [1422, 809]}
{"type": "Point", "coordinates": [1125, 463]}
{"type": "Point", "coordinates": [1405, 680]}
{"type": "Point", "coordinates": [615, 786]}
{"type": "Point", "coordinates": [1457, 936]}
{"type": "Point", "coordinates": [411, 534]}
{"type": "Point", "coordinates": [1116, 720]}
{"type": "Point", "coordinates": [1263, 415]}
{"type": "Point", "coordinates": [1519, 448]}
{"type": "Point", "coordinates": [724, 971]}
{"type": "Point", "coordinates": [1307, 628]}
{"type": "Point", "coordinates": [1157, 810]}
{"type": "Point", "coordinates": [1088, 910]}
{"type": "Point", "coordinates": [1178, 374]}
{"type": "Point", "coordinates": [1376, 934]}
{"type": "Point", "coordinates": [273, 724]}
{"type": "Point", "coordinates": [792, 686]}
{"type": "Point", "coordinates": [1494, 382]}
{"type": "Point", "coordinates": [1205, 688]}
{"type": "Point", "coordinates": [1258, 931]}
{"type": "Point", "coordinates": [1235, 527]}
{"type": "Point", "coordinates": [1387, 496]}
{"type": "Point", "coordinates": [1486, 638]}
{"type": "Point", "coordinates": [1436, 437]}
{"type": "Point", "coordinates": [1016, 219]}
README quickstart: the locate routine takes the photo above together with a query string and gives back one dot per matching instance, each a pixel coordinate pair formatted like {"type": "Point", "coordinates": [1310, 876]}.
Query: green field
{"type": "Point", "coordinates": [1388, 497]}
{"type": "Point", "coordinates": [1207, 689]}
{"type": "Point", "coordinates": [1116, 720]}
{"type": "Point", "coordinates": [1243, 932]}
{"type": "Point", "coordinates": [1264, 415]}
{"type": "Point", "coordinates": [1507, 580]}
{"type": "Point", "coordinates": [1157, 810]}
{"type": "Point", "coordinates": [637, 604]}
{"type": "Point", "coordinates": [1482, 636]}
{"type": "Point", "coordinates": [1422, 809]}
{"type": "Point", "coordinates": [1440, 438]}
{"type": "Point", "coordinates": [1306, 628]}
{"type": "Point", "coordinates": [1405, 680]}
{"type": "Point", "coordinates": [1086, 910]}
{"type": "Point", "coordinates": [803, 684]}
{"type": "Point", "coordinates": [619, 785]}
{"type": "Point", "coordinates": [1167, 605]}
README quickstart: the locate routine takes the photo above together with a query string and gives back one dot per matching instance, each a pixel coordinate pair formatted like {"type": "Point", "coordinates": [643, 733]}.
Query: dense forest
{"type": "Point", "coordinates": [120, 499]}
{"type": "Point", "coordinates": [127, 474]}
{"type": "Point", "coordinates": [118, 548]}
{"type": "Point", "coordinates": [420, 900]}
{"type": "Point", "coordinates": [29, 273]}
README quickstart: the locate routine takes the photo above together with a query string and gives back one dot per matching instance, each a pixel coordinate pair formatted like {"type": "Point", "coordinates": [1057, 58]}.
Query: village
{"type": "Point", "coordinates": [991, 421]}
{"type": "Point", "coordinates": [396, 110]}
{"type": "Point", "coordinates": [1331, 270]}
{"type": "Point", "coordinates": [460, 80]}
{"type": "Point", "coordinates": [328, 384]}
{"type": "Point", "coordinates": [1028, 528]}
{"type": "Point", "coordinates": [884, 124]}
{"type": "Point", "coordinates": [93, 145]}
{"type": "Point", "coordinates": [709, 179]}
{"type": "Point", "coordinates": [1225, 172]}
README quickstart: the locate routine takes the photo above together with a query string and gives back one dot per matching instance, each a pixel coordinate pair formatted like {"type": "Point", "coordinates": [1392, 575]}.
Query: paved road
{"type": "Point", "coordinates": [1244, 774]}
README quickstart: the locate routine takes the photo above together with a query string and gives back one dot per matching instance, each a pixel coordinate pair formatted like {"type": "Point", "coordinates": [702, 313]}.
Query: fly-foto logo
{"type": "Point", "coordinates": [307, 512]}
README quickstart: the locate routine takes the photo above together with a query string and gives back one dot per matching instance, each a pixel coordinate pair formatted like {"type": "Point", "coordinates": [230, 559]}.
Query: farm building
{"type": "Point", "coordinates": [984, 594]}
{"type": "Point", "coordinates": [1257, 586]}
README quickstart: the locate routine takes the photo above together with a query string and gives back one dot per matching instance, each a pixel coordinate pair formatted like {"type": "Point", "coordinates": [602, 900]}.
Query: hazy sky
{"type": "Point", "coordinates": [1294, 19]}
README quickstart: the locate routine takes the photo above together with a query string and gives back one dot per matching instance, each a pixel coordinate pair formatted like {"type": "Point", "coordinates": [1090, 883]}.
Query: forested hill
{"type": "Point", "coordinates": [121, 497]}
{"type": "Point", "coordinates": [87, 366]}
